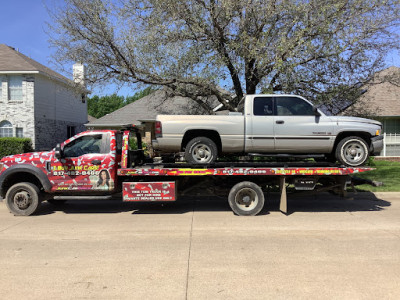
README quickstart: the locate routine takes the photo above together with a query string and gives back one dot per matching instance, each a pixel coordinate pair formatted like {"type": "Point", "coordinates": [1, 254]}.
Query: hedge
{"type": "Point", "coordinates": [13, 145]}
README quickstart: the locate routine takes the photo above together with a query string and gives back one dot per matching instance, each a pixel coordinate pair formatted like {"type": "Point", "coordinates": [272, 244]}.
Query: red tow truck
{"type": "Point", "coordinates": [99, 164]}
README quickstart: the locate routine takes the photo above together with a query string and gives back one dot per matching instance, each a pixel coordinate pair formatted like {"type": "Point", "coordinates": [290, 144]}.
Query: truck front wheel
{"type": "Point", "coordinates": [246, 199]}
{"type": "Point", "coordinates": [352, 151]}
{"type": "Point", "coordinates": [201, 150]}
{"type": "Point", "coordinates": [23, 199]}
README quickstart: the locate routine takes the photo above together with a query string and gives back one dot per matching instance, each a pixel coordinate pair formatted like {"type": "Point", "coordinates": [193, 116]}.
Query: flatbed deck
{"type": "Point", "coordinates": [304, 176]}
{"type": "Point", "coordinates": [236, 169]}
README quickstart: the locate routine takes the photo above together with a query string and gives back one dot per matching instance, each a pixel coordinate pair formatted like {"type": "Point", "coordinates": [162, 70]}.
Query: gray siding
{"type": "Point", "coordinates": [57, 106]}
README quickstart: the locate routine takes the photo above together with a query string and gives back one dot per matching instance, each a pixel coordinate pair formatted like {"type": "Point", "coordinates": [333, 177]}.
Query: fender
{"type": "Point", "coordinates": [25, 168]}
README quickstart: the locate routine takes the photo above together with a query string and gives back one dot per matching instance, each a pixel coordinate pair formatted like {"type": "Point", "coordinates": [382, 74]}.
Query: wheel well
{"type": "Point", "coordinates": [365, 135]}
{"type": "Point", "coordinates": [211, 134]}
{"type": "Point", "coordinates": [20, 177]}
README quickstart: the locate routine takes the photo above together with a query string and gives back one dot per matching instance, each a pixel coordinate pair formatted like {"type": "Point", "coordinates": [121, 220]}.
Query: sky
{"type": "Point", "coordinates": [23, 26]}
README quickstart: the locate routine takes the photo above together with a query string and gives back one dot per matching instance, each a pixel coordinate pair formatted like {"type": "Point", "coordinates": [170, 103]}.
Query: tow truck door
{"type": "Point", "coordinates": [87, 164]}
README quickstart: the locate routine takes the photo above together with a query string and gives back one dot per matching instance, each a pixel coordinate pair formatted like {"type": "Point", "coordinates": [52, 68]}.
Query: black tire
{"type": "Point", "coordinates": [56, 202]}
{"type": "Point", "coordinates": [201, 150]}
{"type": "Point", "coordinates": [352, 151]}
{"type": "Point", "coordinates": [23, 199]}
{"type": "Point", "coordinates": [246, 199]}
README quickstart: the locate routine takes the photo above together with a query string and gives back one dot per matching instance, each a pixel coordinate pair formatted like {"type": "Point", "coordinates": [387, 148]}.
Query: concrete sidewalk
{"type": "Point", "coordinates": [327, 247]}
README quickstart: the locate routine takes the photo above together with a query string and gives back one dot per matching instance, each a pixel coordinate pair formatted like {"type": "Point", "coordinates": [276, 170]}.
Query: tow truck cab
{"type": "Point", "coordinates": [84, 164]}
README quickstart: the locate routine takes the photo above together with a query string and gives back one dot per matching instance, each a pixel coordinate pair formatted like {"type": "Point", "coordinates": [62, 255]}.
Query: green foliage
{"type": "Point", "coordinates": [100, 106]}
{"type": "Point", "coordinates": [387, 172]}
{"type": "Point", "coordinates": [13, 145]}
{"type": "Point", "coordinates": [371, 162]}
{"type": "Point", "coordinates": [134, 146]}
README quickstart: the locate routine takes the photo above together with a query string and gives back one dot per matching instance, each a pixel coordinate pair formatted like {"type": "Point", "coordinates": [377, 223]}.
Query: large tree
{"type": "Point", "coordinates": [321, 49]}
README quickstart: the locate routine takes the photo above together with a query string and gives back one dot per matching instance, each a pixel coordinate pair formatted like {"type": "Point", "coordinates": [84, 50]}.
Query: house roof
{"type": "Point", "coordinates": [382, 96]}
{"type": "Point", "coordinates": [91, 119]}
{"type": "Point", "coordinates": [14, 61]}
{"type": "Point", "coordinates": [147, 108]}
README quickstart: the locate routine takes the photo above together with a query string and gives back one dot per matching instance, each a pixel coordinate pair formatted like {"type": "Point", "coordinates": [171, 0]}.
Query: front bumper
{"type": "Point", "coordinates": [376, 145]}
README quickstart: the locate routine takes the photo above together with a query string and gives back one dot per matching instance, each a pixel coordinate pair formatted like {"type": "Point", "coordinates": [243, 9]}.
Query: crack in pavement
{"type": "Point", "coordinates": [2, 230]}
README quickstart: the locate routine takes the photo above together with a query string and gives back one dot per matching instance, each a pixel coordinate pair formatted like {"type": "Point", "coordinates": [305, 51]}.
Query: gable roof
{"type": "Point", "coordinates": [382, 96]}
{"type": "Point", "coordinates": [147, 108]}
{"type": "Point", "coordinates": [91, 119]}
{"type": "Point", "coordinates": [14, 61]}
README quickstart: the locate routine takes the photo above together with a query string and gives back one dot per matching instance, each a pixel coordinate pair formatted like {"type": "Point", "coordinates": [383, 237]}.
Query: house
{"type": "Point", "coordinates": [148, 107]}
{"type": "Point", "coordinates": [37, 102]}
{"type": "Point", "coordinates": [382, 98]}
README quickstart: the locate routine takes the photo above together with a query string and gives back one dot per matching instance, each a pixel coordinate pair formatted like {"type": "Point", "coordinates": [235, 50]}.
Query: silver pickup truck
{"type": "Point", "coordinates": [270, 124]}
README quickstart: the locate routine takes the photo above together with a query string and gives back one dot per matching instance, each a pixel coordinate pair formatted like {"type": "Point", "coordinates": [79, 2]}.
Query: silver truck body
{"type": "Point", "coordinates": [279, 131]}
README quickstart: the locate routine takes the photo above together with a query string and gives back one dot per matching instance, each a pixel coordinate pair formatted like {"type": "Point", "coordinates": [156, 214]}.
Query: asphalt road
{"type": "Point", "coordinates": [326, 248]}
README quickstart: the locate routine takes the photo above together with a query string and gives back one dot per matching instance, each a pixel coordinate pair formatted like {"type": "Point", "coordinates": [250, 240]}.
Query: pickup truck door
{"type": "Point", "coordinates": [87, 165]}
{"type": "Point", "coordinates": [297, 128]}
{"type": "Point", "coordinates": [260, 126]}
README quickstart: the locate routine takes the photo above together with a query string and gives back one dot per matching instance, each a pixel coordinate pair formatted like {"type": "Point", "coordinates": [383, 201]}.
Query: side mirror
{"type": "Point", "coordinates": [58, 153]}
{"type": "Point", "coordinates": [316, 112]}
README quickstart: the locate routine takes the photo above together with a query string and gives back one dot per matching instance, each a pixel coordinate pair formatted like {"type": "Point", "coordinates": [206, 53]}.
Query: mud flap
{"type": "Point", "coordinates": [282, 188]}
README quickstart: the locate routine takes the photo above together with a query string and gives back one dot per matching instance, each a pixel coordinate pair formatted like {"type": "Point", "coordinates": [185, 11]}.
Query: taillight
{"type": "Point", "coordinates": [158, 129]}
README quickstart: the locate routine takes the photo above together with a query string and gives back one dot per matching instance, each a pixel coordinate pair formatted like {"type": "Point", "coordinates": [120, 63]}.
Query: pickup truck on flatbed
{"type": "Point", "coordinates": [100, 165]}
{"type": "Point", "coordinates": [270, 125]}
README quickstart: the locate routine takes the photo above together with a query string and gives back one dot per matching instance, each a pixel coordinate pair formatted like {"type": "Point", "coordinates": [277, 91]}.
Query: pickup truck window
{"type": "Point", "coordinates": [84, 145]}
{"type": "Point", "coordinates": [263, 106]}
{"type": "Point", "coordinates": [293, 106]}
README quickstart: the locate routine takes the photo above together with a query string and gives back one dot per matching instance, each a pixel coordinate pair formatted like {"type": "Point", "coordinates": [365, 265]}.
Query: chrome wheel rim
{"type": "Point", "coordinates": [202, 153]}
{"type": "Point", "coordinates": [246, 199]}
{"type": "Point", "coordinates": [354, 152]}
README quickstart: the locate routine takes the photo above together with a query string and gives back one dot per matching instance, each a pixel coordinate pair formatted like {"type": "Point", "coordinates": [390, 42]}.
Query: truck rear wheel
{"type": "Point", "coordinates": [352, 151]}
{"type": "Point", "coordinates": [23, 199]}
{"type": "Point", "coordinates": [246, 199]}
{"type": "Point", "coordinates": [201, 150]}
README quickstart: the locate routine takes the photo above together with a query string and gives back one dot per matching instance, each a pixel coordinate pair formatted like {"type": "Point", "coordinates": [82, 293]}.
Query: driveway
{"type": "Point", "coordinates": [327, 247]}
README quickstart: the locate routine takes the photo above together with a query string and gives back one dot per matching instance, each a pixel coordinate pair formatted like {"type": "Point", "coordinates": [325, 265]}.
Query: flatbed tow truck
{"type": "Point", "coordinates": [100, 165]}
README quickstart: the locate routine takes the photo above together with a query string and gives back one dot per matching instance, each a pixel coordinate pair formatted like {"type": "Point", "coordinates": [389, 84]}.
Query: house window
{"type": "Point", "coordinates": [6, 129]}
{"type": "Point", "coordinates": [15, 88]}
{"type": "Point", "coordinates": [70, 131]}
{"type": "Point", "coordinates": [19, 132]}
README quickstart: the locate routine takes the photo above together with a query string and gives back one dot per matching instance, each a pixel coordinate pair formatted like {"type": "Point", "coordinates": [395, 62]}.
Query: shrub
{"type": "Point", "coordinates": [133, 145]}
{"type": "Point", "coordinates": [13, 145]}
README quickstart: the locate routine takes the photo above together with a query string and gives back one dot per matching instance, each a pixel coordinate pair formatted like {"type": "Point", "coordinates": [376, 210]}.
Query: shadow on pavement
{"type": "Point", "coordinates": [323, 202]}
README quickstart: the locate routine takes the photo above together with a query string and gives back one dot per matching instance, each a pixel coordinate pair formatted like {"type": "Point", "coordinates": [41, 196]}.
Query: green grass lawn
{"type": "Point", "coordinates": [387, 172]}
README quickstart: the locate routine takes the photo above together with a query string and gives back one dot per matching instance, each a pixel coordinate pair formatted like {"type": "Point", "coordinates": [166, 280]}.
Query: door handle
{"type": "Point", "coordinates": [280, 122]}
{"type": "Point", "coordinates": [96, 162]}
